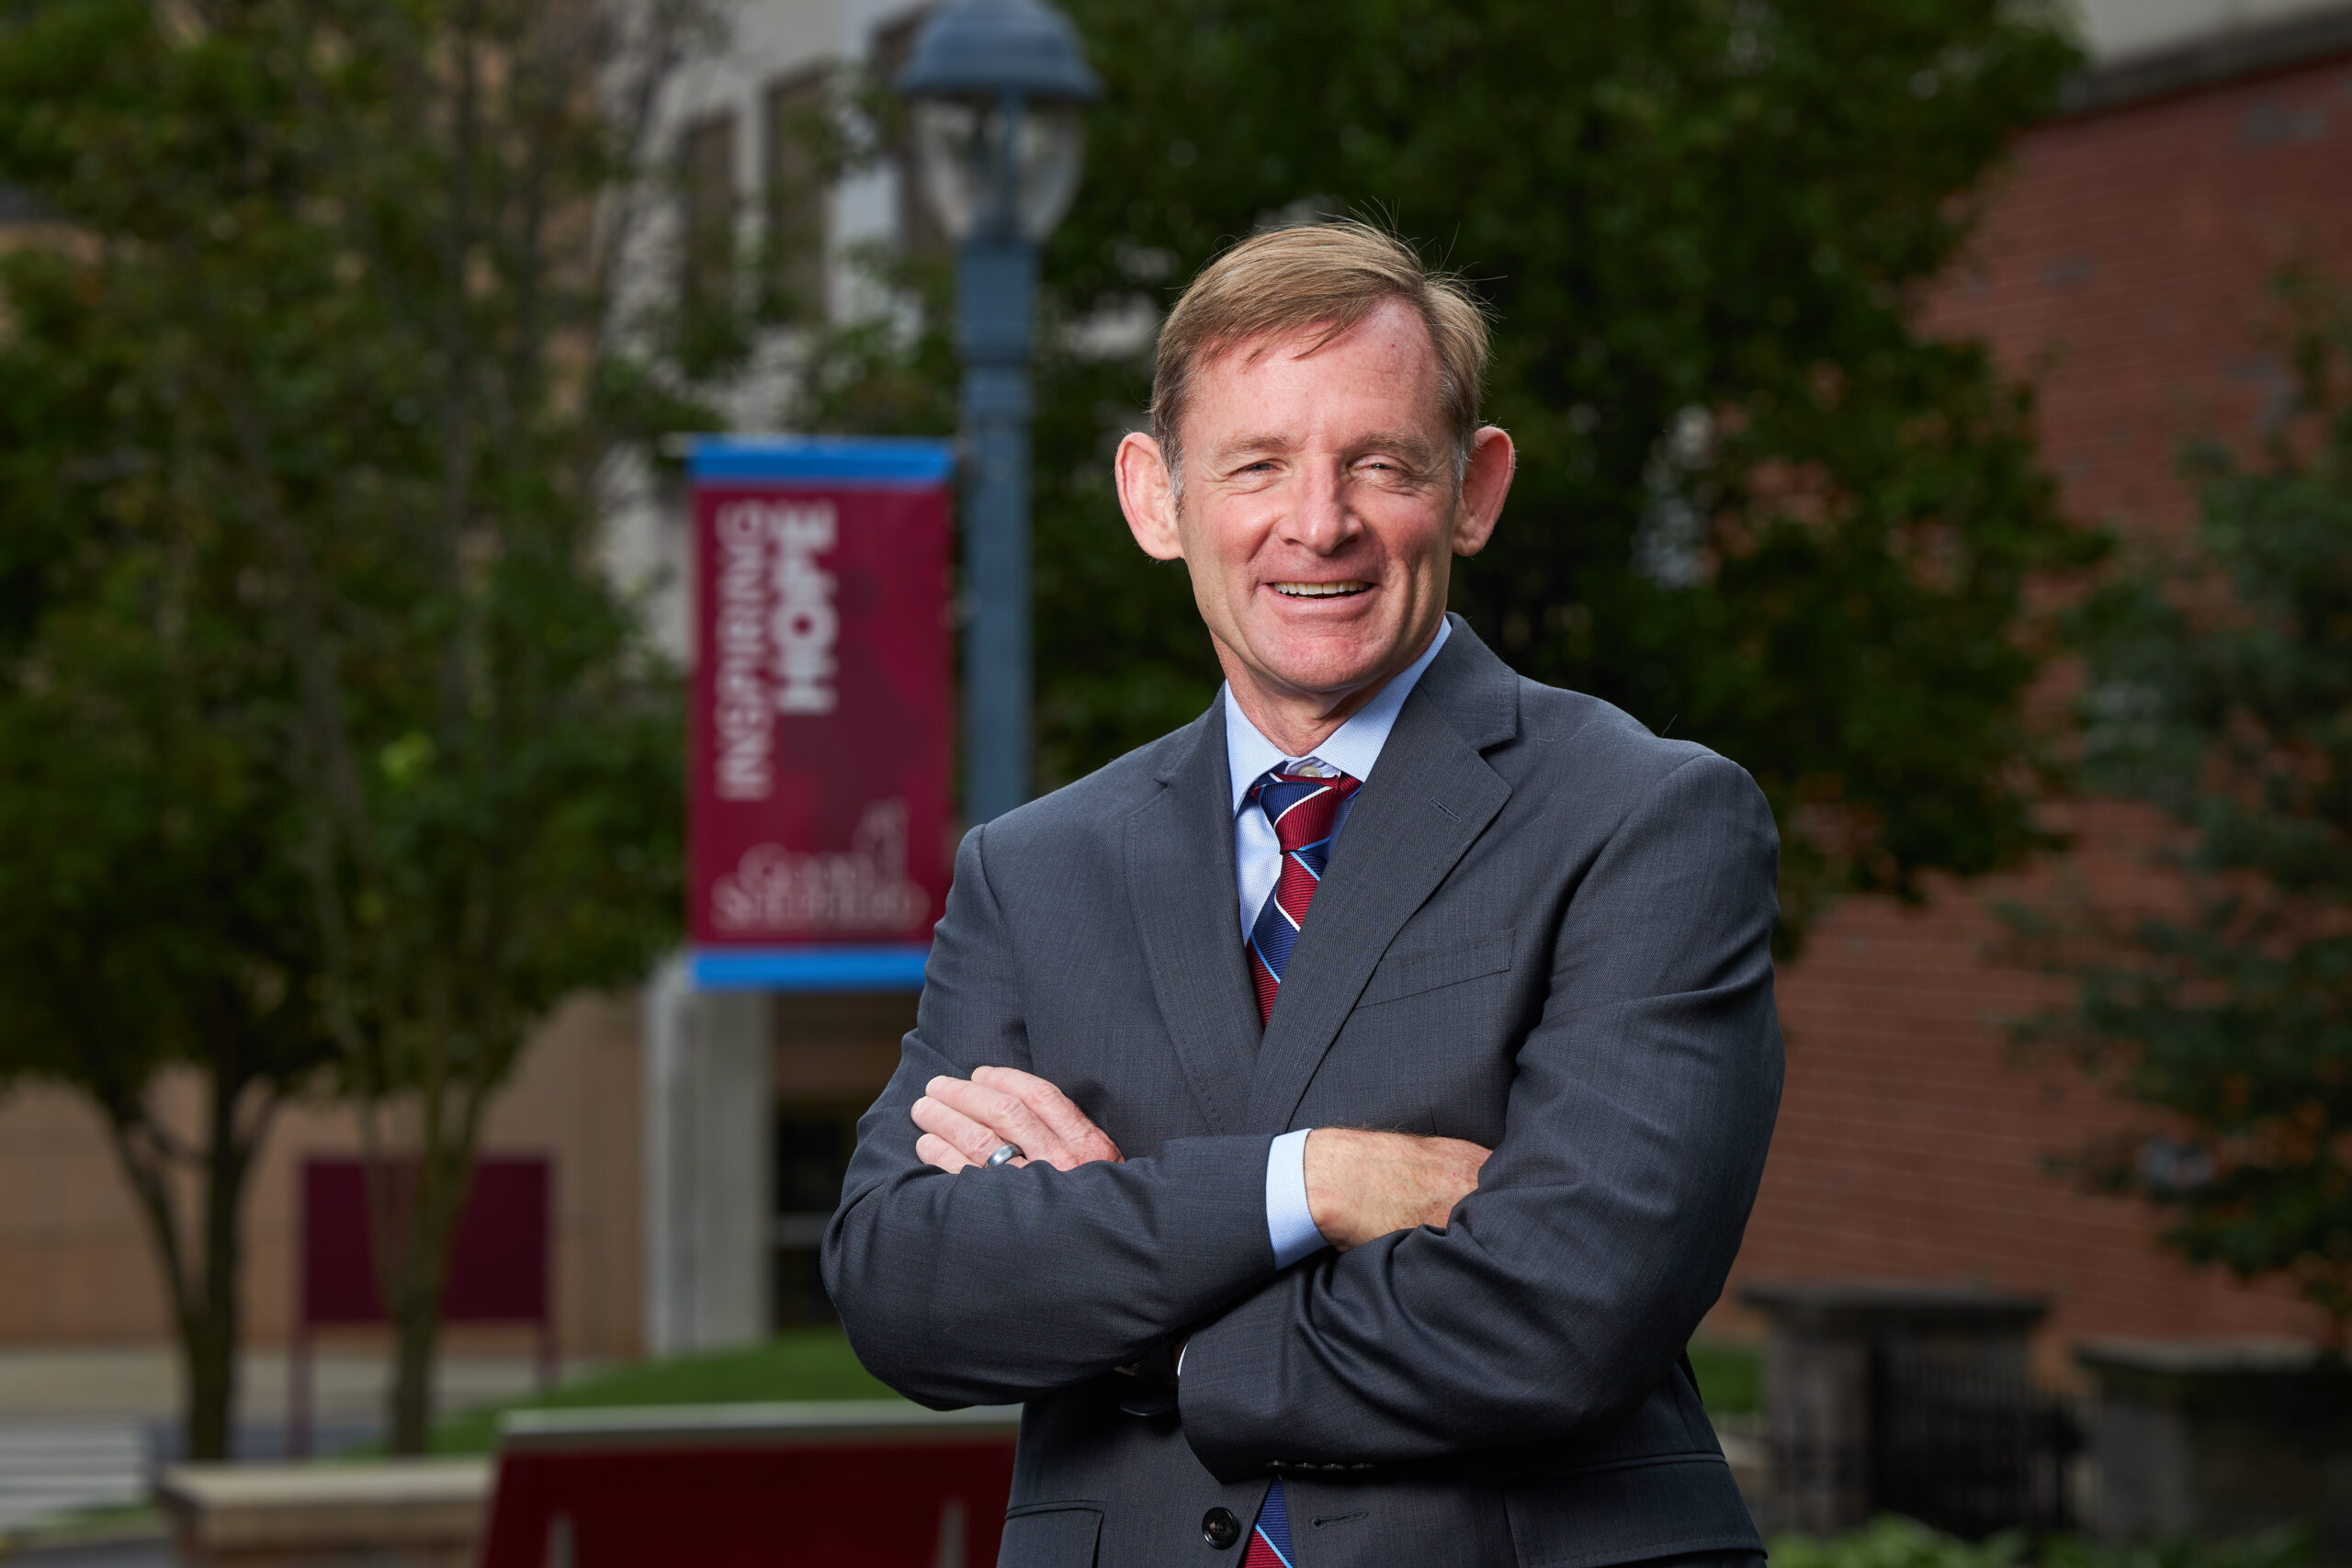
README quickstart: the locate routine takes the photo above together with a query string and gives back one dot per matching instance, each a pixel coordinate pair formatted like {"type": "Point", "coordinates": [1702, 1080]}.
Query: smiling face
{"type": "Point", "coordinates": [1319, 514]}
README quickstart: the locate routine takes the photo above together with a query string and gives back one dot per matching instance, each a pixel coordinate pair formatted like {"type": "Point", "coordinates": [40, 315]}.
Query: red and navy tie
{"type": "Point", "coordinates": [1305, 809]}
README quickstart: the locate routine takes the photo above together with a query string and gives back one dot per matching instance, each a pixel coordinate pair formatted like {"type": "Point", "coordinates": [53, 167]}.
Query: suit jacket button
{"type": "Point", "coordinates": [1220, 1529]}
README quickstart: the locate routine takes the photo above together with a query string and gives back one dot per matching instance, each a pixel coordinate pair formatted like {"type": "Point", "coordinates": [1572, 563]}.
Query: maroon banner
{"type": "Point", "coordinates": [821, 701]}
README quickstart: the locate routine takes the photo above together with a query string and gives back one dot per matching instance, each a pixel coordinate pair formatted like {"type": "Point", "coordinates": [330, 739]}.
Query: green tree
{"type": "Point", "coordinates": [2221, 692]}
{"type": "Point", "coordinates": [149, 918]}
{"type": "Point", "coordinates": [1757, 504]}
{"type": "Point", "coordinates": [355, 272]}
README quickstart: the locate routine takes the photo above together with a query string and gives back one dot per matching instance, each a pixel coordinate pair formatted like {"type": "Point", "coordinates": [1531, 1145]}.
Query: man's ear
{"type": "Point", "coordinates": [1485, 480]}
{"type": "Point", "coordinates": [1146, 497]}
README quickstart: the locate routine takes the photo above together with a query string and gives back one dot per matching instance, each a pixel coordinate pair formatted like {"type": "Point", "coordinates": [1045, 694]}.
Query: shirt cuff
{"type": "Point", "coordinates": [1289, 1224]}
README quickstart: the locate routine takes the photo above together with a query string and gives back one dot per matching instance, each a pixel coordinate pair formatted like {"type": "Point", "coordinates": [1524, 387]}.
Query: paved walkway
{"type": "Point", "coordinates": [347, 1380]}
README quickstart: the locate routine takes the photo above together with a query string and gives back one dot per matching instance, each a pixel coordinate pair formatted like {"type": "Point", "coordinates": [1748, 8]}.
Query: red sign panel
{"type": "Point", "coordinates": [821, 699]}
{"type": "Point", "coordinates": [499, 1259]}
{"type": "Point", "coordinates": [498, 1256]}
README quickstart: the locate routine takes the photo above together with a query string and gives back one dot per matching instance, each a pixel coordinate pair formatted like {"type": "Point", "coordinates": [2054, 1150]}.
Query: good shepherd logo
{"type": "Point", "coordinates": [773, 890]}
{"type": "Point", "coordinates": [777, 629]}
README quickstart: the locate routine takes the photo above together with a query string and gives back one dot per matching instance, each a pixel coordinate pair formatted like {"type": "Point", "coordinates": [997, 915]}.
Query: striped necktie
{"type": "Point", "coordinates": [1304, 808]}
{"type": "Point", "coordinates": [1303, 804]}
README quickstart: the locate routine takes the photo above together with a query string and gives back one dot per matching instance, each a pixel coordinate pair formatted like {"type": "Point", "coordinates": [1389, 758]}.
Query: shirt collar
{"type": "Point", "coordinates": [1352, 748]}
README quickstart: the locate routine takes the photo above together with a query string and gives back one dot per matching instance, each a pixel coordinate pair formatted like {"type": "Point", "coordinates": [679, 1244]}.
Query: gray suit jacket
{"type": "Point", "coordinates": [1543, 928]}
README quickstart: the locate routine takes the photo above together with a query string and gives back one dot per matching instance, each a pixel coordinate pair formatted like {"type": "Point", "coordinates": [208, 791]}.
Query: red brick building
{"type": "Point", "coordinates": [2124, 267]}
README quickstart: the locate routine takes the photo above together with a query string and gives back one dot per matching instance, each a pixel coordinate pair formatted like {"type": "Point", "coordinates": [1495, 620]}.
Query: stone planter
{"type": "Point", "coordinates": [397, 1514]}
{"type": "Point", "coordinates": [2220, 1438]}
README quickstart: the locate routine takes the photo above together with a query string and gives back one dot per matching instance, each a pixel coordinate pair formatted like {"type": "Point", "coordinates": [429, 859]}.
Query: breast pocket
{"type": "Point", "coordinates": [1428, 1048]}
{"type": "Point", "coordinates": [1431, 966]}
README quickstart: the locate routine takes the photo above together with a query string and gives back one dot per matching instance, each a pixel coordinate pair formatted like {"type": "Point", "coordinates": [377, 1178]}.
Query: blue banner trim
{"type": "Point", "coordinates": [839, 459]}
{"type": "Point", "coordinates": [811, 968]}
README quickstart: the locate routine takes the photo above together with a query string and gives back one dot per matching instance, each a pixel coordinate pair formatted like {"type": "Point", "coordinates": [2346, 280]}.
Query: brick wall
{"type": "Point", "coordinates": [2123, 265]}
{"type": "Point", "coordinates": [75, 1266]}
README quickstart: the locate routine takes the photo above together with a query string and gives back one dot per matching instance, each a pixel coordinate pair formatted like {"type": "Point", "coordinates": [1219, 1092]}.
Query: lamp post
{"type": "Point", "coordinates": [997, 86]}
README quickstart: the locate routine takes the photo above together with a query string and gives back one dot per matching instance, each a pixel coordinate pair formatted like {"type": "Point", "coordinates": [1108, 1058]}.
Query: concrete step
{"type": "Point", "coordinates": [58, 1464]}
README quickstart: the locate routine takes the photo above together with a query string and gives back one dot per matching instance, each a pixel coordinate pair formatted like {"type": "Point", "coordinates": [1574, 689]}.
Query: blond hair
{"type": "Point", "coordinates": [1323, 277]}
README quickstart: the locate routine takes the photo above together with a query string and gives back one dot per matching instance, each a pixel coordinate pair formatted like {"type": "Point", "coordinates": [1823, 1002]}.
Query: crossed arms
{"type": "Point", "coordinates": [1360, 1184]}
{"type": "Point", "coordinates": [1571, 1264]}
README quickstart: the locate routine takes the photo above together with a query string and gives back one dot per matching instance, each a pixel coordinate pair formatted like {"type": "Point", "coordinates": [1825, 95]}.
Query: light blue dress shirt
{"type": "Point", "coordinates": [1352, 749]}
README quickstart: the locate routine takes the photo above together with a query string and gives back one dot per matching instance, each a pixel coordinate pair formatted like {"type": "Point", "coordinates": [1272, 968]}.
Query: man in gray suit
{"type": "Point", "coordinates": [1332, 1119]}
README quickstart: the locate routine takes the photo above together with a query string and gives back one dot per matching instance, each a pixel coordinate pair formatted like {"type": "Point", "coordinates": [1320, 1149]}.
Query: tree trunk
{"type": "Point", "coordinates": [203, 1298]}
{"type": "Point", "coordinates": [210, 1337]}
{"type": "Point", "coordinates": [416, 1333]}
{"type": "Point", "coordinates": [209, 1350]}
{"type": "Point", "coordinates": [431, 1198]}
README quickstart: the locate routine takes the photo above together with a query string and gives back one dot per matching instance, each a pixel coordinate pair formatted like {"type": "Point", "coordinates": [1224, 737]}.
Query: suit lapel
{"type": "Point", "coordinates": [1180, 877]}
{"type": "Point", "coordinates": [1428, 800]}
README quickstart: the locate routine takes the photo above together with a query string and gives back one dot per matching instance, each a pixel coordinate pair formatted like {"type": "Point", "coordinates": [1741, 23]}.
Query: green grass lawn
{"type": "Point", "coordinates": [816, 1363]}
{"type": "Point", "coordinates": [1731, 1376]}
{"type": "Point", "coordinates": [805, 1363]}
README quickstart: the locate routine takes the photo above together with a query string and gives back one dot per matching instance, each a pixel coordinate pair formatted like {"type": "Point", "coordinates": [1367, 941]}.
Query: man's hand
{"type": "Point", "coordinates": [965, 1121]}
{"type": "Point", "coordinates": [1361, 1185]}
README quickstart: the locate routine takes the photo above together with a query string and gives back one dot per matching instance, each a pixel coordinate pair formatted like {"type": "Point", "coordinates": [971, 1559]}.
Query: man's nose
{"type": "Point", "coordinates": [1321, 521]}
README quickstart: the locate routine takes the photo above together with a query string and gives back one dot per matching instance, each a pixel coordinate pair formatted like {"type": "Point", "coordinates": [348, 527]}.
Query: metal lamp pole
{"type": "Point", "coordinates": [997, 86]}
{"type": "Point", "coordinates": [995, 291]}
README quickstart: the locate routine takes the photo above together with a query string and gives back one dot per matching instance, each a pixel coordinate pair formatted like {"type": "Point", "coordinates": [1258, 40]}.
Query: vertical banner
{"type": "Point", "coordinates": [823, 769]}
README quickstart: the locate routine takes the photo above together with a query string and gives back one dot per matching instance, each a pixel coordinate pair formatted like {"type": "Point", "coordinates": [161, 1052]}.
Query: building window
{"type": "Point", "coordinates": [813, 1144]}
{"type": "Point", "coordinates": [799, 133]}
{"type": "Point", "coordinates": [919, 232]}
{"type": "Point", "coordinates": [706, 175]}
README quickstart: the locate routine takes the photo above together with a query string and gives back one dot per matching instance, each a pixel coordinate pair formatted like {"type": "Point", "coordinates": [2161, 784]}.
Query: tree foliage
{"type": "Point", "coordinates": [1756, 505]}
{"type": "Point", "coordinates": [149, 914]}
{"type": "Point", "coordinates": [2222, 694]}
{"type": "Point", "coordinates": [349, 274]}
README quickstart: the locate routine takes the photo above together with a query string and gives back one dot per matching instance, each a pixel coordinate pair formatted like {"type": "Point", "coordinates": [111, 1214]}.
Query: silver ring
{"type": "Point", "coordinates": [1004, 1152]}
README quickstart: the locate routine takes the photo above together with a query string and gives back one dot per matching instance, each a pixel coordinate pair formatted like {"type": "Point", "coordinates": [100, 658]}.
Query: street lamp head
{"type": "Point", "coordinates": [997, 86]}
{"type": "Point", "coordinates": [987, 49]}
